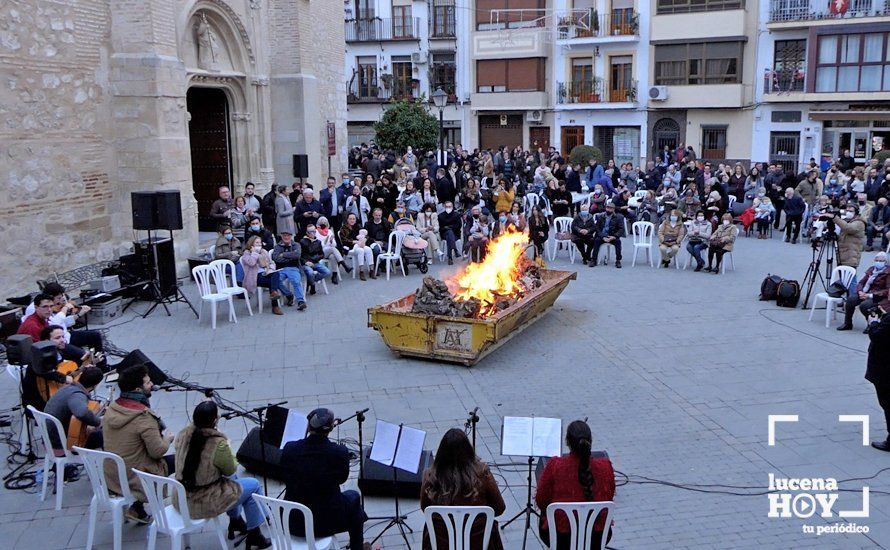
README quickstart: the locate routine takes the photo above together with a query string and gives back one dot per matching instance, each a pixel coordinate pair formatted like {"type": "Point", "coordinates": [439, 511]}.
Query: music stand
{"type": "Point", "coordinates": [531, 437]}
{"type": "Point", "coordinates": [399, 447]}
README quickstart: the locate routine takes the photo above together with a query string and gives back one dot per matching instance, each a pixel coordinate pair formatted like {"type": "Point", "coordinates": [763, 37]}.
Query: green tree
{"type": "Point", "coordinates": [882, 156]}
{"type": "Point", "coordinates": [581, 154]}
{"type": "Point", "coordinates": [407, 123]}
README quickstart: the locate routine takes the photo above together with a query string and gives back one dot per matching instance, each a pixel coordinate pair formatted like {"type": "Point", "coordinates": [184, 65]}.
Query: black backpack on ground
{"type": "Point", "coordinates": [788, 293]}
{"type": "Point", "coordinates": [769, 288]}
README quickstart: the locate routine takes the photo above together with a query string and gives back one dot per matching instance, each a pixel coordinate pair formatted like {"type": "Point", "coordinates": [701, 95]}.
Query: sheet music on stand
{"type": "Point", "coordinates": [531, 436]}
{"type": "Point", "coordinates": [398, 446]}
{"type": "Point", "coordinates": [295, 427]}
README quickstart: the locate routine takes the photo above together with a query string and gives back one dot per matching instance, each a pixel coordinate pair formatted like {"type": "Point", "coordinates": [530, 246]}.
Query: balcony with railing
{"type": "Point", "coordinates": [595, 91]}
{"type": "Point", "coordinates": [588, 24]}
{"type": "Point", "coordinates": [788, 11]}
{"type": "Point", "coordinates": [383, 30]}
{"type": "Point", "coordinates": [783, 81]}
{"type": "Point", "coordinates": [374, 92]}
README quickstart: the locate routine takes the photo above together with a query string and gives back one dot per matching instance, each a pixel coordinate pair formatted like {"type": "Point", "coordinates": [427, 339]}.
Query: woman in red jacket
{"type": "Point", "coordinates": [575, 477]}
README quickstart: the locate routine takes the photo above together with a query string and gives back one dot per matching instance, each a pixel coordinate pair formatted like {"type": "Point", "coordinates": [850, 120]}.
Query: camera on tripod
{"type": "Point", "coordinates": [824, 228]}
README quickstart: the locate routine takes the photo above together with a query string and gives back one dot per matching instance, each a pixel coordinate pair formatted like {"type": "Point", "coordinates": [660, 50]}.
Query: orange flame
{"type": "Point", "coordinates": [497, 276]}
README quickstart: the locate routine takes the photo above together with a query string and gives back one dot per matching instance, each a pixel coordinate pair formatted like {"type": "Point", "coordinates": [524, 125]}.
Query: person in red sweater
{"type": "Point", "coordinates": [34, 324]}
{"type": "Point", "coordinates": [575, 477]}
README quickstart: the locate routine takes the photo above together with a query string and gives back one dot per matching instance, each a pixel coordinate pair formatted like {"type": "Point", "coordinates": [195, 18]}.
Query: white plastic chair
{"type": "Point", "coordinates": [643, 234]}
{"type": "Point", "coordinates": [278, 519]}
{"type": "Point", "coordinates": [228, 281]}
{"type": "Point", "coordinates": [171, 520]}
{"type": "Point", "coordinates": [205, 276]}
{"type": "Point", "coordinates": [458, 522]}
{"type": "Point", "coordinates": [51, 457]}
{"type": "Point", "coordinates": [730, 202]}
{"type": "Point", "coordinates": [393, 254]}
{"type": "Point", "coordinates": [582, 517]}
{"type": "Point", "coordinates": [562, 224]}
{"type": "Point", "coordinates": [529, 201]}
{"type": "Point", "coordinates": [93, 462]}
{"type": "Point", "coordinates": [845, 275]}
{"type": "Point", "coordinates": [728, 255]}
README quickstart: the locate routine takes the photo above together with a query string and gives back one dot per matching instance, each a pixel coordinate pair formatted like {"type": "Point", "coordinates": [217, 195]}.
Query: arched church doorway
{"type": "Point", "coordinates": [210, 140]}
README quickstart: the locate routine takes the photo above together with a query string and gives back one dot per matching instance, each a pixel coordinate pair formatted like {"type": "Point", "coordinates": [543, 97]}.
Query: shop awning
{"type": "Point", "coordinates": [850, 115]}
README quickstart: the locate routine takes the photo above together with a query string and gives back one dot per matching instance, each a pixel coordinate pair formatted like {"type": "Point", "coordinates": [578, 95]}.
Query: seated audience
{"type": "Point", "coordinates": [450, 229]}
{"type": "Point", "coordinates": [720, 242]}
{"type": "Point", "coordinates": [354, 240]}
{"type": "Point", "coordinates": [698, 236]}
{"type": "Point", "coordinates": [312, 254]}
{"type": "Point", "coordinates": [608, 229]}
{"type": "Point", "coordinates": [256, 262]}
{"type": "Point", "coordinates": [287, 257]}
{"type": "Point", "coordinates": [584, 234]}
{"type": "Point", "coordinates": [870, 291]}
{"type": "Point", "coordinates": [538, 230]}
{"type": "Point", "coordinates": [670, 234]}
{"type": "Point", "coordinates": [428, 226]}
{"type": "Point", "coordinates": [255, 229]}
{"type": "Point", "coordinates": [328, 239]}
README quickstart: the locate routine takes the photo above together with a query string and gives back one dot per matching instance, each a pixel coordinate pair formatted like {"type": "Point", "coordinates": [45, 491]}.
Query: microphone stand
{"type": "Point", "coordinates": [471, 424]}
{"type": "Point", "coordinates": [259, 412]}
{"type": "Point", "coordinates": [360, 418]}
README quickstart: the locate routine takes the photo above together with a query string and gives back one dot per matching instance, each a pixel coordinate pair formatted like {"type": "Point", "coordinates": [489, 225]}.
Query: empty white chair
{"type": "Point", "coordinates": [277, 518]}
{"type": "Point", "coordinates": [53, 457]}
{"type": "Point", "coordinates": [93, 462]}
{"type": "Point", "coordinates": [206, 278]}
{"type": "Point", "coordinates": [170, 520]}
{"type": "Point", "coordinates": [643, 234]}
{"type": "Point", "coordinates": [582, 517]}
{"type": "Point", "coordinates": [728, 255]}
{"type": "Point", "coordinates": [546, 208]}
{"type": "Point", "coordinates": [458, 522]}
{"type": "Point", "coordinates": [563, 225]}
{"type": "Point", "coordinates": [844, 274]}
{"type": "Point", "coordinates": [228, 281]}
{"type": "Point", "coordinates": [393, 253]}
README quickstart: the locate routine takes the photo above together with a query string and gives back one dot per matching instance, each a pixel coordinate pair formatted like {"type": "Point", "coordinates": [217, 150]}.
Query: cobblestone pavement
{"type": "Point", "coordinates": [675, 370]}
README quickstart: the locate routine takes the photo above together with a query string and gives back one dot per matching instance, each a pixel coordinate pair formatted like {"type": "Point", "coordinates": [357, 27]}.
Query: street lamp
{"type": "Point", "coordinates": [439, 98]}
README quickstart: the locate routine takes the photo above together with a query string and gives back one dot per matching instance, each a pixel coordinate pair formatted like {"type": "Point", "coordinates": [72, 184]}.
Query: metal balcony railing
{"type": "Point", "coordinates": [784, 81]}
{"type": "Point", "coordinates": [375, 92]}
{"type": "Point", "coordinates": [810, 10]}
{"type": "Point", "coordinates": [381, 30]}
{"type": "Point", "coordinates": [595, 91]}
{"type": "Point", "coordinates": [588, 24]}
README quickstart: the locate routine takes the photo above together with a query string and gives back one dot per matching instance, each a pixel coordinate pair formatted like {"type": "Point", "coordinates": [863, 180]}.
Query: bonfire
{"type": "Point", "coordinates": [483, 289]}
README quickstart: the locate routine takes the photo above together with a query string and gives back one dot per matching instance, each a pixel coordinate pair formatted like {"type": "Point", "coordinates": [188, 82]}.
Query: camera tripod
{"type": "Point", "coordinates": [826, 248]}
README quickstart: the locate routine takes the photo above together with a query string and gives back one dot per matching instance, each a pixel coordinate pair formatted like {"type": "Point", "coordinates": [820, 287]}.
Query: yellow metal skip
{"type": "Point", "coordinates": [458, 339]}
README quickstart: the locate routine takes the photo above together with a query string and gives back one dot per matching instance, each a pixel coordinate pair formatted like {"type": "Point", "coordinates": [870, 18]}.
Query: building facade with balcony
{"type": "Point", "coordinates": [702, 71]}
{"type": "Point", "coordinates": [405, 49]}
{"type": "Point", "coordinates": [600, 65]}
{"type": "Point", "coordinates": [824, 80]}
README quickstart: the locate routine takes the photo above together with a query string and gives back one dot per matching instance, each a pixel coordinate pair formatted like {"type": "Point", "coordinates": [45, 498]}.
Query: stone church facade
{"type": "Point", "coordinates": [99, 98]}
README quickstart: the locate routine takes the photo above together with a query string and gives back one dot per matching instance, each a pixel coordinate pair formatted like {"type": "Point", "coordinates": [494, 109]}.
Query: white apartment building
{"type": "Point", "coordinates": [823, 80]}
{"type": "Point", "coordinates": [399, 49]}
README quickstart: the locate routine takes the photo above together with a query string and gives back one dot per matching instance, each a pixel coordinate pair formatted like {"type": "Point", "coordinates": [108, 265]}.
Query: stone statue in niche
{"type": "Point", "coordinates": [208, 47]}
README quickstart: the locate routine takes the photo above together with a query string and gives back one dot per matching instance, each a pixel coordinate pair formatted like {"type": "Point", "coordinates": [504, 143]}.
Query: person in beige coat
{"type": "Point", "coordinates": [670, 235]}
{"type": "Point", "coordinates": [852, 237]}
{"type": "Point", "coordinates": [137, 434]}
{"type": "Point", "coordinates": [720, 242]}
{"type": "Point", "coordinates": [428, 225]}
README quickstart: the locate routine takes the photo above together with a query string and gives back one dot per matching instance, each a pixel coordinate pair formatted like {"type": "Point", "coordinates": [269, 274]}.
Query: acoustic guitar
{"type": "Point", "coordinates": [48, 388]}
{"type": "Point", "coordinates": [78, 432]}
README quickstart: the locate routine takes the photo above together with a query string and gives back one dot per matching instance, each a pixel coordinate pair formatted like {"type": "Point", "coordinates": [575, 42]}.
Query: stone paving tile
{"type": "Point", "coordinates": [676, 372]}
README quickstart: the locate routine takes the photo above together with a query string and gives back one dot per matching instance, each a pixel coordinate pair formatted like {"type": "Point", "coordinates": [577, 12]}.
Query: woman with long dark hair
{"type": "Point", "coordinates": [458, 478]}
{"type": "Point", "coordinates": [205, 465]}
{"type": "Point", "coordinates": [575, 477]}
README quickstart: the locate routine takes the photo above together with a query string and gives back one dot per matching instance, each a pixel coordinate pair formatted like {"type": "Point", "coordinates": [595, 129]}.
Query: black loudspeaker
{"type": "Point", "coordinates": [162, 252]}
{"type": "Point", "coordinates": [301, 166]}
{"type": "Point", "coordinates": [136, 357]}
{"type": "Point", "coordinates": [145, 210]}
{"type": "Point", "coordinates": [18, 349]}
{"type": "Point", "coordinates": [377, 478]}
{"type": "Point", "coordinates": [250, 456]}
{"type": "Point", "coordinates": [44, 356]}
{"type": "Point", "coordinates": [169, 210]}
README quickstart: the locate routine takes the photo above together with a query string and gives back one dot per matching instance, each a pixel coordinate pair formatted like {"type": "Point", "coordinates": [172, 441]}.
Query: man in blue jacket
{"type": "Point", "coordinates": [315, 468]}
{"type": "Point", "coordinates": [794, 209]}
{"type": "Point", "coordinates": [332, 200]}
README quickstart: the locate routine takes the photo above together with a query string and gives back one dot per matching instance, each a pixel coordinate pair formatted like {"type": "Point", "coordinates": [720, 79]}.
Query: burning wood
{"type": "Point", "coordinates": [483, 289]}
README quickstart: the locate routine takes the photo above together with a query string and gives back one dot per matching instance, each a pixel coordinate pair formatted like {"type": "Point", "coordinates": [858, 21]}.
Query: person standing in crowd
{"type": "Point", "coordinates": [307, 211]}
{"type": "Point", "coordinates": [670, 234]}
{"type": "Point", "coordinates": [284, 212]}
{"type": "Point", "coordinates": [315, 468]}
{"type": "Point", "coordinates": [810, 188]}
{"type": "Point", "coordinates": [252, 203]}
{"type": "Point", "coordinates": [794, 211]}
{"type": "Point", "coordinates": [608, 229]}
{"type": "Point", "coordinates": [575, 477]}
{"type": "Point", "coordinates": [221, 209]}
{"type": "Point", "coordinates": [269, 214]}
{"type": "Point", "coordinates": [849, 242]}
{"type": "Point", "coordinates": [332, 199]}
{"type": "Point", "coordinates": [206, 466]}
{"type": "Point", "coordinates": [870, 291]}
{"type": "Point", "coordinates": [134, 432]}
{"type": "Point", "coordinates": [720, 242]}
{"type": "Point", "coordinates": [878, 370]}
{"type": "Point", "coordinates": [254, 259]}
{"type": "Point", "coordinates": [458, 477]}
{"type": "Point", "coordinates": [358, 205]}
{"type": "Point", "coordinates": [287, 257]}
{"type": "Point", "coordinates": [699, 238]}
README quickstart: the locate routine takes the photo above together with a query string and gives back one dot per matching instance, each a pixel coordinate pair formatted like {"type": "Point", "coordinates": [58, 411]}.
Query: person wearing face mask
{"type": "Point", "coordinates": [228, 247]}
{"type": "Point", "coordinates": [478, 233]}
{"type": "Point", "coordinates": [332, 253]}
{"type": "Point", "coordinates": [255, 262]}
{"type": "Point", "coordinates": [358, 205]}
{"type": "Point", "coordinates": [399, 213]}
{"type": "Point", "coordinates": [584, 234]}
{"type": "Point", "coordinates": [608, 229]}
{"type": "Point", "coordinates": [878, 222]}
{"type": "Point", "coordinates": [763, 215]}
{"type": "Point", "coordinates": [865, 208]}
{"type": "Point", "coordinates": [428, 226]}
{"type": "Point", "coordinates": [720, 242]}
{"type": "Point", "coordinates": [450, 229]}
{"type": "Point", "coordinates": [670, 234]}
{"type": "Point", "coordinates": [255, 229]}
{"type": "Point", "coordinates": [849, 242]}
{"type": "Point", "coordinates": [871, 290]}
{"type": "Point", "coordinates": [699, 239]}
{"type": "Point", "coordinates": [312, 253]}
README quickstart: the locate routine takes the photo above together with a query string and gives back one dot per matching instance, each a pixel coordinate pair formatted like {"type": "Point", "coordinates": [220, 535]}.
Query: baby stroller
{"type": "Point", "coordinates": [413, 247]}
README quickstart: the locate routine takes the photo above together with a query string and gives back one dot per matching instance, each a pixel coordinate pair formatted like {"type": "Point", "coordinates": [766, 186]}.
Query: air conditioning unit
{"type": "Point", "coordinates": [658, 93]}
{"type": "Point", "coordinates": [418, 58]}
{"type": "Point", "coordinates": [535, 116]}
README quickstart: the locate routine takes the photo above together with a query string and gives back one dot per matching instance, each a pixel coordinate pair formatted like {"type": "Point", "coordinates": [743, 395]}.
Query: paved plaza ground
{"type": "Point", "coordinates": [676, 372]}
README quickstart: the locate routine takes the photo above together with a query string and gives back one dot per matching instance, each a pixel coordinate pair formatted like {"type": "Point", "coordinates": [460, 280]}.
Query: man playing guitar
{"type": "Point", "coordinates": [72, 402]}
